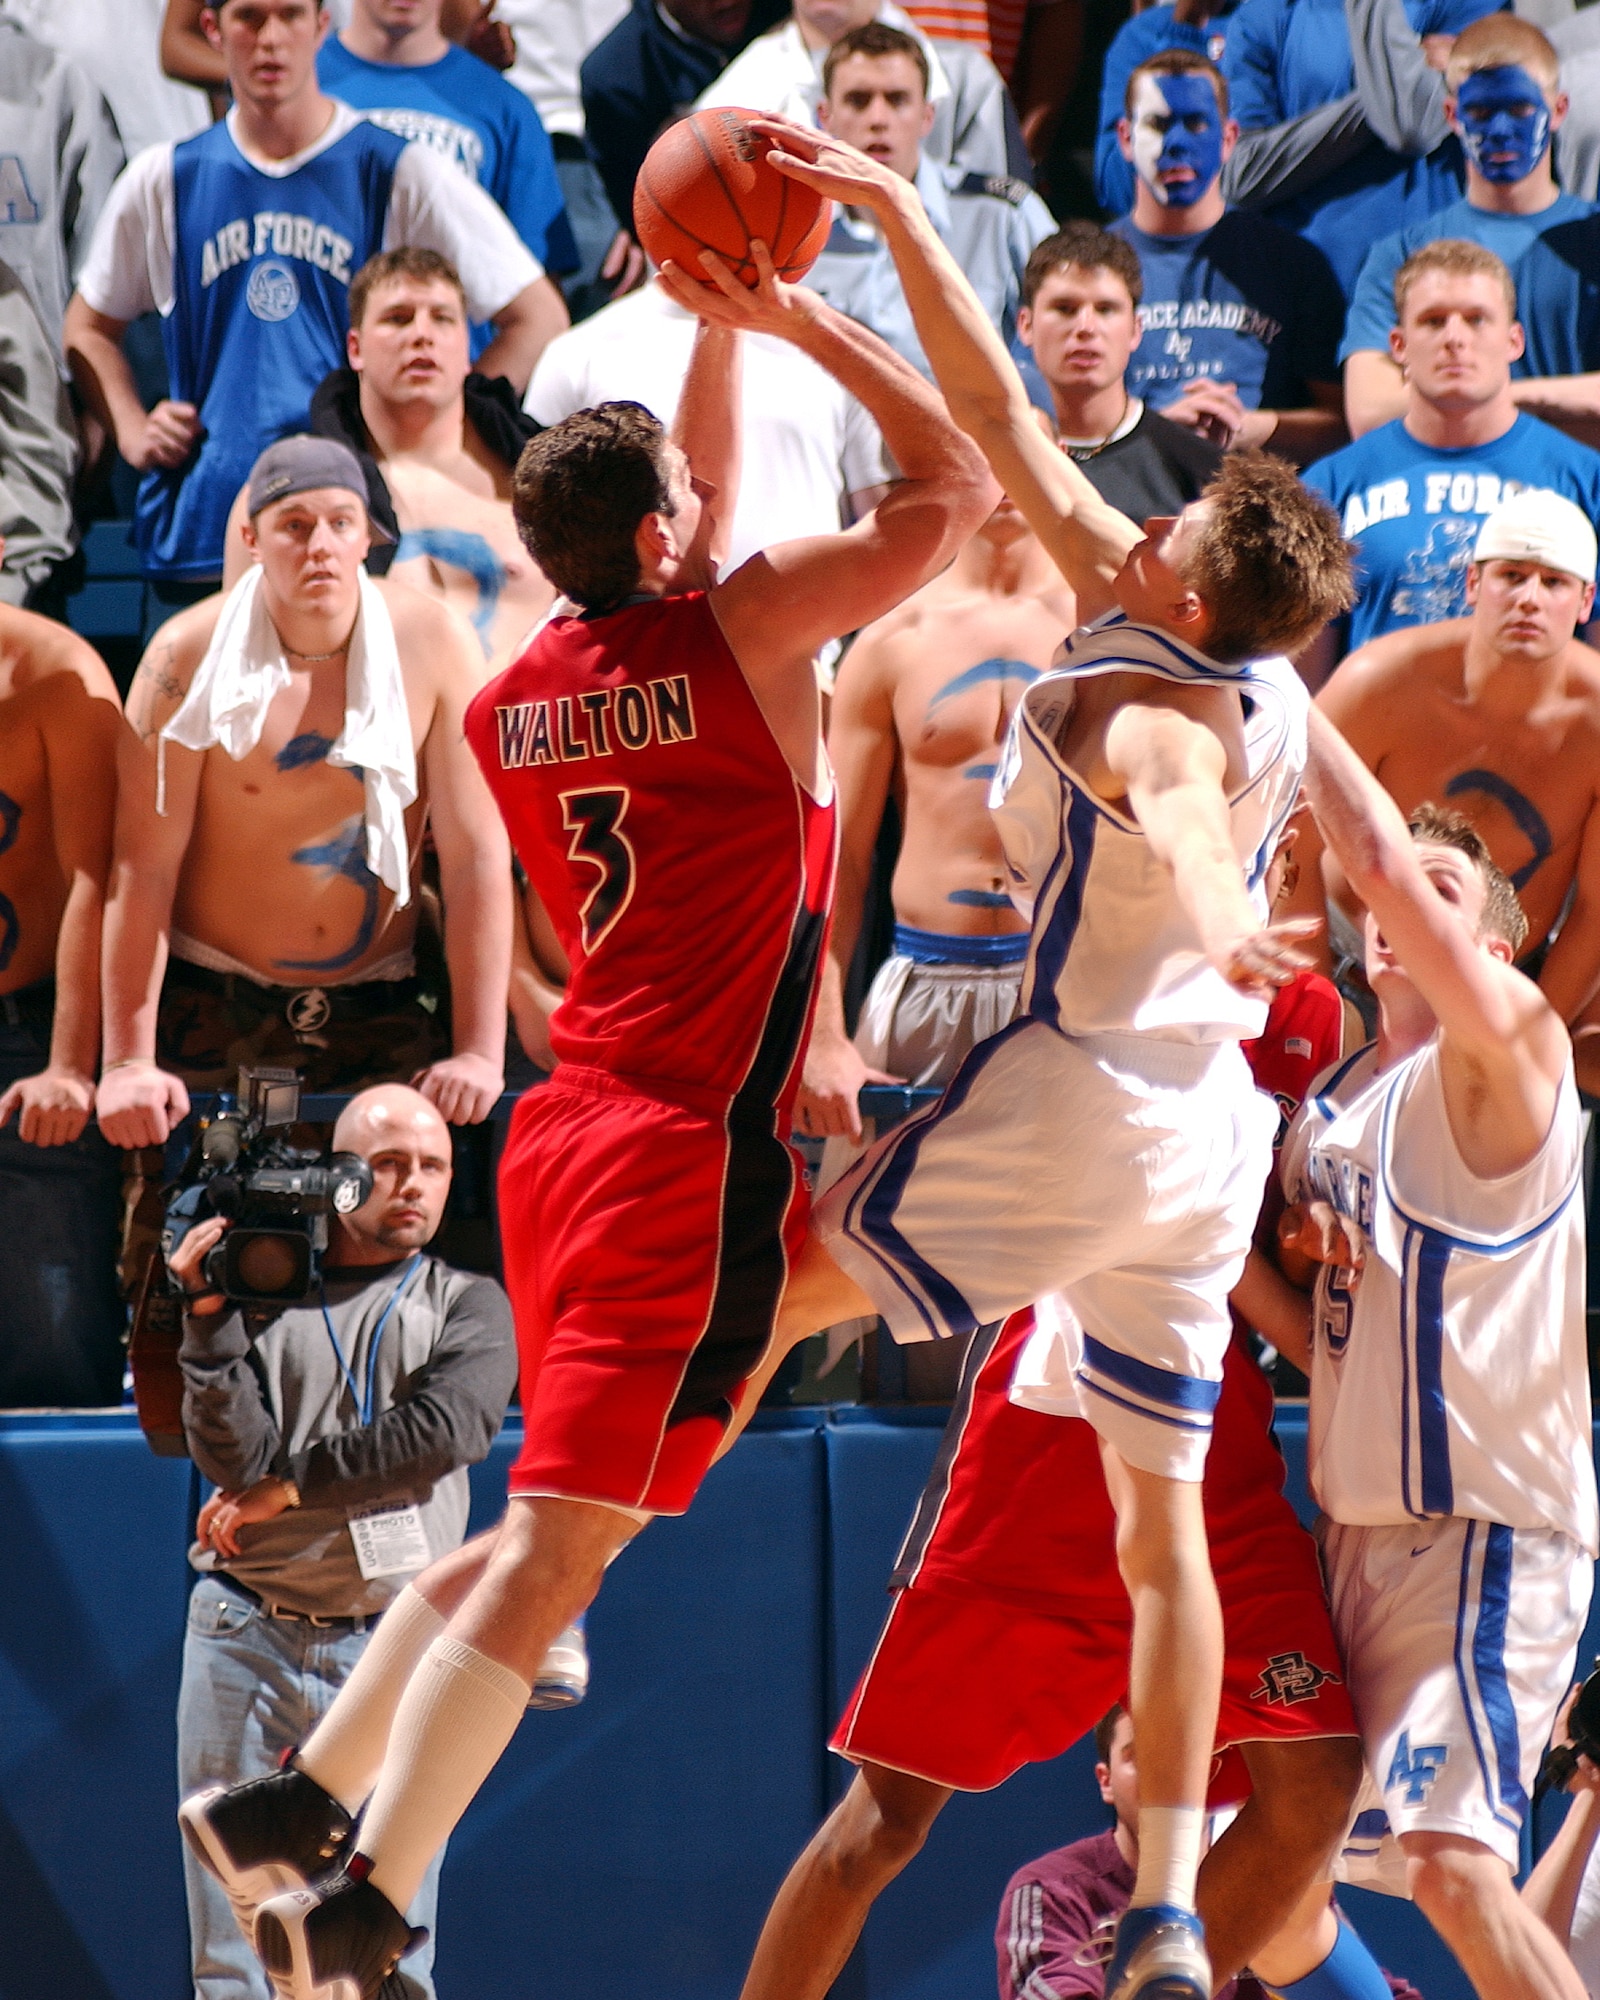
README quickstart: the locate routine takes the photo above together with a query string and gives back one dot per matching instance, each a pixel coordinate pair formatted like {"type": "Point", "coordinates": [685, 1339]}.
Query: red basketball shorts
{"type": "Point", "coordinates": [1008, 1639]}
{"type": "Point", "coordinates": [646, 1241]}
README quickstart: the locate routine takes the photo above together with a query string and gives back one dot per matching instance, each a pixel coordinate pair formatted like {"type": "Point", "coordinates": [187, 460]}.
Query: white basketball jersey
{"type": "Point", "coordinates": [1449, 1376]}
{"type": "Point", "coordinates": [1112, 951]}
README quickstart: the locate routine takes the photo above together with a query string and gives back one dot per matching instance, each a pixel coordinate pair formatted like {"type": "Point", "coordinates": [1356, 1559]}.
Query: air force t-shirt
{"type": "Point", "coordinates": [1245, 301]}
{"type": "Point", "coordinates": [1414, 510]}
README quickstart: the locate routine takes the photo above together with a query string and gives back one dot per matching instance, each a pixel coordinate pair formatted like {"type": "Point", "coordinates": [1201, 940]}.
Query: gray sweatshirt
{"type": "Point", "coordinates": [264, 1392]}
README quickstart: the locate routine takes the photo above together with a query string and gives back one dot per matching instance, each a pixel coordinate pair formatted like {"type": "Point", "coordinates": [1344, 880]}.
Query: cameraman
{"type": "Point", "coordinates": [338, 1435]}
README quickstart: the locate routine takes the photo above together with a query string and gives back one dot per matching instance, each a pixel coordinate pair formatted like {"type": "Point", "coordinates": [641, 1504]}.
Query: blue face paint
{"type": "Point", "coordinates": [1505, 123]}
{"type": "Point", "coordinates": [1177, 131]}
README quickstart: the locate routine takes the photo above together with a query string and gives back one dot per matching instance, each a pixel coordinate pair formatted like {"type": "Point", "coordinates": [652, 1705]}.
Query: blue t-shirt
{"type": "Point", "coordinates": [1551, 301]}
{"type": "Point", "coordinates": [261, 272]}
{"type": "Point", "coordinates": [1245, 301]}
{"type": "Point", "coordinates": [460, 107]}
{"type": "Point", "coordinates": [1139, 38]}
{"type": "Point", "coordinates": [1562, 264]}
{"type": "Point", "coordinates": [1414, 510]}
{"type": "Point", "coordinates": [1286, 57]}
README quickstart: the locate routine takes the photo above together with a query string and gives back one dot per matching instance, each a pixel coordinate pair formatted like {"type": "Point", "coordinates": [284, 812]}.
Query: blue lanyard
{"type": "Point", "coordinates": [364, 1409]}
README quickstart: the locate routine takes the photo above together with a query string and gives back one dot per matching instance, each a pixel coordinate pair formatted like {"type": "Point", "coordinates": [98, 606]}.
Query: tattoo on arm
{"type": "Point", "coordinates": [154, 679]}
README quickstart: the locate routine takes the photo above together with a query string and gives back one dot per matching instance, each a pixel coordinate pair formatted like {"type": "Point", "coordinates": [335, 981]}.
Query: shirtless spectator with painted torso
{"type": "Point", "coordinates": [1498, 716]}
{"type": "Point", "coordinates": [270, 821]}
{"type": "Point", "coordinates": [443, 443]}
{"type": "Point", "coordinates": [62, 1323]}
{"type": "Point", "coordinates": [922, 706]}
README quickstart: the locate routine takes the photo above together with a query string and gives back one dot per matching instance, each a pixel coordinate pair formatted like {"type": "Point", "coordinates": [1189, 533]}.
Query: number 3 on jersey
{"type": "Point", "coordinates": [594, 819]}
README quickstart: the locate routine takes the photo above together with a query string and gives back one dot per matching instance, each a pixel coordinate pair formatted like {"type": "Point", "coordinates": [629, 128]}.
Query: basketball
{"type": "Point", "coordinates": [705, 185]}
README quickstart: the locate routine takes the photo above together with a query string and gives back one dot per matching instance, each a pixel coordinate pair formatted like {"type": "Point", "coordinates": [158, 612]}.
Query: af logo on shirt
{"type": "Point", "coordinates": [1415, 1769]}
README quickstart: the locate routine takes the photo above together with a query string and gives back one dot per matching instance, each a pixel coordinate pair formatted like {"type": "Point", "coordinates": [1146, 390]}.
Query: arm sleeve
{"type": "Point", "coordinates": [227, 1421]}
{"type": "Point", "coordinates": [128, 268]}
{"type": "Point", "coordinates": [1280, 161]}
{"type": "Point", "coordinates": [1250, 63]}
{"type": "Point", "coordinates": [1402, 97]}
{"type": "Point", "coordinates": [1577, 151]}
{"type": "Point", "coordinates": [1316, 339]}
{"type": "Point", "coordinates": [92, 160]}
{"type": "Point", "coordinates": [450, 1418]}
{"type": "Point", "coordinates": [434, 206]}
{"type": "Point", "coordinates": [616, 118]}
{"type": "Point", "coordinates": [1041, 1930]}
{"type": "Point", "coordinates": [1372, 302]}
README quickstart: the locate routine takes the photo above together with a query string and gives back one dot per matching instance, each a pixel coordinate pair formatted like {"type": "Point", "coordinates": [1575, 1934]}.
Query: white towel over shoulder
{"type": "Point", "coordinates": [245, 668]}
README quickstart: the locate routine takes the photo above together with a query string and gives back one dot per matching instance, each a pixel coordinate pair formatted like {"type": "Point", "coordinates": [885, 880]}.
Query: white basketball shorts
{"type": "Point", "coordinates": [1458, 1639]}
{"type": "Point", "coordinates": [1123, 1173]}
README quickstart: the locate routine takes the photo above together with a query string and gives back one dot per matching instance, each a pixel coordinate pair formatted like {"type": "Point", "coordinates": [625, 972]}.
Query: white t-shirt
{"type": "Point", "coordinates": [807, 442]}
{"type": "Point", "coordinates": [553, 37]}
{"type": "Point", "coordinates": [778, 73]}
{"type": "Point", "coordinates": [117, 43]}
{"type": "Point", "coordinates": [432, 205]}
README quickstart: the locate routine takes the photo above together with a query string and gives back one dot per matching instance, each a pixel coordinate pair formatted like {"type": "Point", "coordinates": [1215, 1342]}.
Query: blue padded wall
{"type": "Point", "coordinates": [636, 1840]}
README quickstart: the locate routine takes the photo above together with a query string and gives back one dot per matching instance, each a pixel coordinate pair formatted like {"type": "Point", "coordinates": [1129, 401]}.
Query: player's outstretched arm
{"type": "Point", "coordinates": [778, 608]}
{"type": "Point", "coordinates": [1169, 756]}
{"type": "Point", "coordinates": [1086, 536]}
{"type": "Point", "coordinates": [1504, 1046]}
{"type": "Point", "coordinates": [709, 428]}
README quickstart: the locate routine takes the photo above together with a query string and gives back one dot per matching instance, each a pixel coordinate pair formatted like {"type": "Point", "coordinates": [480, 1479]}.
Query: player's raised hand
{"type": "Point", "coordinates": [1262, 961]}
{"type": "Point", "coordinates": [830, 166]}
{"type": "Point", "coordinates": [770, 306]}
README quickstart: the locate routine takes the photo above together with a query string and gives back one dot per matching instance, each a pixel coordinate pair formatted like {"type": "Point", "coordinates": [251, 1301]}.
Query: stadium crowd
{"type": "Point", "coordinates": [285, 291]}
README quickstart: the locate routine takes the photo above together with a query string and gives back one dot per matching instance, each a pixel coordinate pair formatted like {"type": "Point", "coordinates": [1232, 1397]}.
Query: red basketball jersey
{"type": "Point", "coordinates": [687, 871]}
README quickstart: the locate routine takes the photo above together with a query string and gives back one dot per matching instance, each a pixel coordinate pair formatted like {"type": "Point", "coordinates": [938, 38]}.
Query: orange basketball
{"type": "Point", "coordinates": [705, 185]}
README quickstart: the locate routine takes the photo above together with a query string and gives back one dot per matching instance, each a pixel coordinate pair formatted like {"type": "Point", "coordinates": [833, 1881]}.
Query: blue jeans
{"type": "Point", "coordinates": [61, 1316]}
{"type": "Point", "coordinates": [253, 1687]}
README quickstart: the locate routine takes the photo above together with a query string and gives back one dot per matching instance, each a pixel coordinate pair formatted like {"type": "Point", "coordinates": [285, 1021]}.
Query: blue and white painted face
{"type": "Point", "coordinates": [1504, 121]}
{"type": "Point", "coordinates": [1176, 127]}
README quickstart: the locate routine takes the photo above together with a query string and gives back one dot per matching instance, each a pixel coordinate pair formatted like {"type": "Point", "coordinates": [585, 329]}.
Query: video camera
{"type": "Point", "coordinates": [276, 1197]}
{"type": "Point", "coordinates": [1560, 1765]}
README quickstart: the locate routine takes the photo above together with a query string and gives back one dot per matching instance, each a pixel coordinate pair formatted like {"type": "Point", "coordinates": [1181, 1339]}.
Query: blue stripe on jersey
{"type": "Point", "coordinates": [1489, 1661]}
{"type": "Point", "coordinates": [261, 272]}
{"type": "Point", "coordinates": [1407, 1319]}
{"type": "Point", "coordinates": [870, 1217]}
{"type": "Point", "coordinates": [1488, 1667]}
{"type": "Point", "coordinates": [1161, 1385]}
{"type": "Point", "coordinates": [1055, 940]}
{"type": "Point", "coordinates": [1324, 1097]}
{"type": "Point", "coordinates": [1433, 1423]}
{"type": "Point", "coordinates": [1141, 1409]}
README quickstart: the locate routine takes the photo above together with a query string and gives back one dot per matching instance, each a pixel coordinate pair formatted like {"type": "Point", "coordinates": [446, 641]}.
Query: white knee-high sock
{"type": "Point", "coordinates": [344, 1753]}
{"type": "Point", "coordinates": [459, 1711]}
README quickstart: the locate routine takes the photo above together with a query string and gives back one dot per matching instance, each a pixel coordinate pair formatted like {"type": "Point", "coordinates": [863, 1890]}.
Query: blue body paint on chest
{"type": "Point", "coordinates": [981, 675]}
{"type": "Point", "coordinates": [1523, 810]}
{"type": "Point", "coordinates": [467, 552]}
{"type": "Point", "coordinates": [979, 899]}
{"type": "Point", "coordinates": [311, 748]}
{"type": "Point", "coordinates": [346, 855]}
{"type": "Point", "coordinates": [10, 923]}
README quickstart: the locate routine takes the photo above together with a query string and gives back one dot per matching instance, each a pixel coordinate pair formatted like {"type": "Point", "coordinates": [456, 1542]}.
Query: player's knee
{"type": "Point", "coordinates": [873, 1833]}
